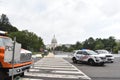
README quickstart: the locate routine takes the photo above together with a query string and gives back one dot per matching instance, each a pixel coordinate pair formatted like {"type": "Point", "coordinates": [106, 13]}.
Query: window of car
{"type": "Point", "coordinates": [79, 52]}
{"type": "Point", "coordinates": [85, 53]}
{"type": "Point", "coordinates": [1, 42]}
{"type": "Point", "coordinates": [5, 41]}
{"type": "Point", "coordinates": [90, 52]}
{"type": "Point", "coordinates": [102, 52]}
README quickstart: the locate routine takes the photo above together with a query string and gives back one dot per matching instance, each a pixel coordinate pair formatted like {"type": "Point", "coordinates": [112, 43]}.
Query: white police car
{"type": "Point", "coordinates": [88, 56]}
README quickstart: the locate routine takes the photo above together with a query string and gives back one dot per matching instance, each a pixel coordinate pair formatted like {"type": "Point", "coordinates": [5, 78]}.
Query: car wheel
{"type": "Point", "coordinates": [74, 60]}
{"type": "Point", "coordinates": [112, 61]}
{"type": "Point", "coordinates": [91, 62]}
{"type": "Point", "coordinates": [101, 64]}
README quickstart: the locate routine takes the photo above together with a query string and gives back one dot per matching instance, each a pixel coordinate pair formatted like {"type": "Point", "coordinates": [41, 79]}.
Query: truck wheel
{"type": "Point", "coordinates": [17, 78]}
{"type": "Point", "coordinates": [91, 62]}
{"type": "Point", "coordinates": [22, 74]}
{"type": "Point", "coordinates": [0, 65]}
{"type": "Point", "coordinates": [4, 75]}
{"type": "Point", "coordinates": [74, 60]}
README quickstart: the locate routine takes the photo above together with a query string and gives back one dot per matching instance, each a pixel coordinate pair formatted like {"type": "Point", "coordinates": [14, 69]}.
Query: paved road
{"type": "Point", "coordinates": [111, 71]}
{"type": "Point", "coordinates": [54, 69]}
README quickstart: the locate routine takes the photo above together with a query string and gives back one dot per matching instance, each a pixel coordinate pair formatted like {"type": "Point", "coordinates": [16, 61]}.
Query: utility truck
{"type": "Point", "coordinates": [22, 61]}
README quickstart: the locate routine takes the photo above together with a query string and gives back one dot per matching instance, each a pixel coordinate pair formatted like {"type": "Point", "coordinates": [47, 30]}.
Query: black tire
{"type": "Point", "coordinates": [101, 64]}
{"type": "Point", "coordinates": [22, 74]}
{"type": "Point", "coordinates": [91, 62]}
{"type": "Point", "coordinates": [0, 65]}
{"type": "Point", "coordinates": [17, 78]}
{"type": "Point", "coordinates": [74, 60]}
{"type": "Point", "coordinates": [112, 61]}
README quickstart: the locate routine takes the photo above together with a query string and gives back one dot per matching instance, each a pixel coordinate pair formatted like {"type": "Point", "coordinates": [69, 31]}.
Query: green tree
{"type": "Point", "coordinates": [99, 44]}
{"type": "Point", "coordinates": [61, 48]}
{"type": "Point", "coordinates": [89, 44]}
{"type": "Point", "coordinates": [5, 25]}
{"type": "Point", "coordinates": [70, 49]}
{"type": "Point", "coordinates": [78, 45]}
{"type": "Point", "coordinates": [109, 43]}
{"type": "Point", "coordinates": [58, 48]}
{"type": "Point", "coordinates": [29, 40]}
{"type": "Point", "coordinates": [117, 47]}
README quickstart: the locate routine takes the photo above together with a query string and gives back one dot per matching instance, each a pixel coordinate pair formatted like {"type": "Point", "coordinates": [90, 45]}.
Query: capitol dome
{"type": "Point", "coordinates": [54, 40]}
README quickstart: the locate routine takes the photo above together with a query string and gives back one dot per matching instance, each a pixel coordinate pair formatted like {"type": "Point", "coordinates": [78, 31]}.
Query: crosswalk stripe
{"type": "Point", "coordinates": [29, 79]}
{"type": "Point", "coordinates": [38, 69]}
{"type": "Point", "coordinates": [55, 68]}
{"type": "Point", "coordinates": [85, 76]}
{"type": "Point", "coordinates": [53, 75]}
{"type": "Point", "coordinates": [73, 72]}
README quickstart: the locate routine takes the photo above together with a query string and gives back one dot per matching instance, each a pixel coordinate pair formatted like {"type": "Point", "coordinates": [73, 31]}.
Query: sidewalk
{"type": "Point", "coordinates": [50, 55]}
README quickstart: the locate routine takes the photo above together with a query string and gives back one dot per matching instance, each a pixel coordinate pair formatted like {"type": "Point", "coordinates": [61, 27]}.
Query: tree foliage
{"type": "Point", "coordinates": [94, 44]}
{"type": "Point", "coordinates": [99, 44]}
{"type": "Point", "coordinates": [61, 48]}
{"type": "Point", "coordinates": [89, 43]}
{"type": "Point", "coordinates": [5, 25]}
{"type": "Point", "coordinates": [29, 40]}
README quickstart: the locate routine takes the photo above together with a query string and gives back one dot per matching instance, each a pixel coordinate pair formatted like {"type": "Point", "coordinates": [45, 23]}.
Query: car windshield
{"type": "Point", "coordinates": [91, 52]}
{"type": "Point", "coordinates": [1, 42]}
{"type": "Point", "coordinates": [103, 52]}
{"type": "Point", "coordinates": [5, 41]}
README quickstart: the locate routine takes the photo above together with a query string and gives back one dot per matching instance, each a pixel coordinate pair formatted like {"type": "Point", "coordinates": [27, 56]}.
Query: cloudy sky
{"type": "Point", "coordinates": [69, 20]}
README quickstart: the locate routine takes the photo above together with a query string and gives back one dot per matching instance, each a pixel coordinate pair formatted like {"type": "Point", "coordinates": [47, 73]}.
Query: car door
{"type": "Point", "coordinates": [78, 55]}
{"type": "Point", "coordinates": [84, 56]}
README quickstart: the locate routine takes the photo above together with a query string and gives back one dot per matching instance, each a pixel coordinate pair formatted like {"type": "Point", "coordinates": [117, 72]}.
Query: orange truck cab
{"type": "Point", "coordinates": [22, 61]}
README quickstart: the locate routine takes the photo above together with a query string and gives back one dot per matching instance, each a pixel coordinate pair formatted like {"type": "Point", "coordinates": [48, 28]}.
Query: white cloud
{"type": "Point", "coordinates": [112, 28]}
{"type": "Point", "coordinates": [69, 20]}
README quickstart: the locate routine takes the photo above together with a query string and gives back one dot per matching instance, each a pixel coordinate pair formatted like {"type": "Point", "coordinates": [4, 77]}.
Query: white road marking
{"type": "Point", "coordinates": [85, 76]}
{"type": "Point", "coordinates": [30, 79]}
{"type": "Point", "coordinates": [56, 68]}
{"type": "Point", "coordinates": [53, 75]}
{"type": "Point", "coordinates": [73, 72]}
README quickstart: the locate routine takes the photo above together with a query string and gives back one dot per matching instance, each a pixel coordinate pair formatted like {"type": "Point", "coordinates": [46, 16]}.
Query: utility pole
{"type": "Point", "coordinates": [13, 58]}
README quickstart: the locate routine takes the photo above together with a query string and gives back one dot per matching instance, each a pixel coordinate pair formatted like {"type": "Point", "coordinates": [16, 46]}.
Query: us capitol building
{"type": "Point", "coordinates": [53, 44]}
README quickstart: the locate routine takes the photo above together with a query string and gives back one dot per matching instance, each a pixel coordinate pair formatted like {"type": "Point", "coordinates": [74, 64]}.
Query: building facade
{"type": "Point", "coordinates": [53, 44]}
